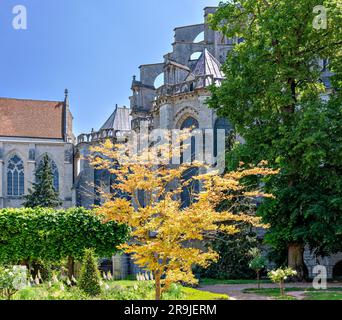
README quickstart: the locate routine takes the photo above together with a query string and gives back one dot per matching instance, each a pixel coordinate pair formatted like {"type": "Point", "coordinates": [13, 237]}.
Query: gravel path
{"type": "Point", "coordinates": [235, 291]}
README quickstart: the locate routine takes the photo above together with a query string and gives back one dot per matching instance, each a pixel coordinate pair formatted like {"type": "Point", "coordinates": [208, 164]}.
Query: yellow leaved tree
{"type": "Point", "coordinates": [166, 238]}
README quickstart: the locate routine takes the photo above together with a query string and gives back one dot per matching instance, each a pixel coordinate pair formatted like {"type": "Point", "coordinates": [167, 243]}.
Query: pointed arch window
{"type": "Point", "coordinates": [15, 176]}
{"type": "Point", "coordinates": [190, 123]}
{"type": "Point", "coordinates": [192, 187]}
{"type": "Point", "coordinates": [55, 173]}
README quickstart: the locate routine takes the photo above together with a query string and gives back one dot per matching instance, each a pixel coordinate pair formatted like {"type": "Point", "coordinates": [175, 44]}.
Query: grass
{"type": "Point", "coordinates": [310, 293]}
{"type": "Point", "coordinates": [208, 282]}
{"type": "Point", "coordinates": [193, 294]}
{"type": "Point", "coordinates": [331, 295]}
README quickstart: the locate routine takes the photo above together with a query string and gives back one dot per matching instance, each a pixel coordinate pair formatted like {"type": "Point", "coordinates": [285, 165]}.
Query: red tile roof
{"type": "Point", "coordinates": [31, 118]}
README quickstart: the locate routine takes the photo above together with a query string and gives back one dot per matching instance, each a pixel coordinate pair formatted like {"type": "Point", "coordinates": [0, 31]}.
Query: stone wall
{"type": "Point", "coordinates": [31, 152]}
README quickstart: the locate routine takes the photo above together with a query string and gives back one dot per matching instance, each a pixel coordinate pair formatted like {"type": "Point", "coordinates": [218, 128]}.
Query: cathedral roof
{"type": "Point", "coordinates": [31, 118]}
{"type": "Point", "coordinates": [207, 64]}
{"type": "Point", "coordinates": [120, 120]}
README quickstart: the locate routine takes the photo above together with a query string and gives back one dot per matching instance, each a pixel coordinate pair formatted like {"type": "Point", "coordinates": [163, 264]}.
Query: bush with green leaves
{"type": "Point", "coordinates": [12, 279]}
{"type": "Point", "coordinates": [90, 279]}
{"type": "Point", "coordinates": [40, 235]}
{"type": "Point", "coordinates": [280, 276]}
{"type": "Point", "coordinates": [234, 261]}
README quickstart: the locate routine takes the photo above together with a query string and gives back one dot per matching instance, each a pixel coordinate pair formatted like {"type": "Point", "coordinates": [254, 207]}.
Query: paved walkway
{"type": "Point", "coordinates": [235, 291]}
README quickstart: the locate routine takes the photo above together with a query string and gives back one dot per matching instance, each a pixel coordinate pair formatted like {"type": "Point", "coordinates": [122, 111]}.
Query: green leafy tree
{"type": "Point", "coordinates": [234, 260]}
{"type": "Point", "coordinates": [258, 263]}
{"type": "Point", "coordinates": [89, 281]}
{"type": "Point", "coordinates": [276, 95]}
{"type": "Point", "coordinates": [43, 193]}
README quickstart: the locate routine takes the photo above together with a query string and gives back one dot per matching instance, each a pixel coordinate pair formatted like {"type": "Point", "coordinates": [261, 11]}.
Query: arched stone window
{"type": "Point", "coordinates": [190, 123]}
{"type": "Point", "coordinates": [159, 80]}
{"type": "Point", "coordinates": [55, 173]}
{"type": "Point", "coordinates": [15, 176]}
{"type": "Point", "coordinates": [199, 38]}
{"type": "Point", "coordinates": [195, 56]}
{"type": "Point", "coordinates": [193, 187]}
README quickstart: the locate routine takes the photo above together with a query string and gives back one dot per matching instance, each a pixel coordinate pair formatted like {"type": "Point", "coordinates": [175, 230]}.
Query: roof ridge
{"type": "Point", "coordinates": [36, 100]}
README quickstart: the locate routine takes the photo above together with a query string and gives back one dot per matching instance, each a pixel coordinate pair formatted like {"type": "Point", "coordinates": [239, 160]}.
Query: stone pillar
{"type": "Point", "coordinates": [206, 115]}
{"type": "Point", "coordinates": [1, 184]}
{"type": "Point", "coordinates": [31, 167]}
{"type": "Point", "coordinates": [67, 192]}
{"type": "Point", "coordinates": [2, 179]}
{"type": "Point", "coordinates": [165, 114]}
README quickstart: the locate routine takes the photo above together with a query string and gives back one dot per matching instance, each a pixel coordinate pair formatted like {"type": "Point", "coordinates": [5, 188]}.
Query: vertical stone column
{"type": "Point", "coordinates": [2, 178]}
{"type": "Point", "coordinates": [206, 115]}
{"type": "Point", "coordinates": [165, 114]}
{"type": "Point", "coordinates": [30, 167]}
{"type": "Point", "coordinates": [67, 194]}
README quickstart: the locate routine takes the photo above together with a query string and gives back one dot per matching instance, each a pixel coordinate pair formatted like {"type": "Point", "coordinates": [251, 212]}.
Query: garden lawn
{"type": "Point", "coordinates": [310, 293]}
{"type": "Point", "coordinates": [322, 295]}
{"type": "Point", "coordinates": [193, 294]}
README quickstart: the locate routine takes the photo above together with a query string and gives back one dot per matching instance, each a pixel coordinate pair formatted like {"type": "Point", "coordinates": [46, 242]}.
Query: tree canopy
{"type": "Point", "coordinates": [165, 235]}
{"type": "Point", "coordinates": [283, 94]}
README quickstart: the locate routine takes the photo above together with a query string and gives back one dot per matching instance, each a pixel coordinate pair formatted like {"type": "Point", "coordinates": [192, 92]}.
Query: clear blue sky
{"type": "Point", "coordinates": [91, 47]}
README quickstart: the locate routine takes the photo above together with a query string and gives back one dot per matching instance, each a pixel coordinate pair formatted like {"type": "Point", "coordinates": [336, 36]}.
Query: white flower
{"type": "Point", "coordinates": [73, 279]}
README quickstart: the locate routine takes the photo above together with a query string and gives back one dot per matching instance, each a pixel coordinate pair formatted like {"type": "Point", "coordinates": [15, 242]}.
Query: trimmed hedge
{"type": "Point", "coordinates": [52, 235]}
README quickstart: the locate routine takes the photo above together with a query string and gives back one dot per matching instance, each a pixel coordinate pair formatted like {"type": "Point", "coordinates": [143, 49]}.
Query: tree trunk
{"type": "Point", "coordinates": [282, 288]}
{"type": "Point", "coordinates": [71, 267]}
{"type": "Point", "coordinates": [258, 279]}
{"type": "Point", "coordinates": [158, 285]}
{"type": "Point", "coordinates": [296, 260]}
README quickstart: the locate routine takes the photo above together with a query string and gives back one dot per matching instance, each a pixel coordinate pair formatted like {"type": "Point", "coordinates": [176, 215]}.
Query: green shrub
{"type": "Point", "coordinates": [280, 275]}
{"type": "Point", "coordinates": [234, 260]}
{"type": "Point", "coordinates": [89, 281]}
{"type": "Point", "coordinates": [12, 280]}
